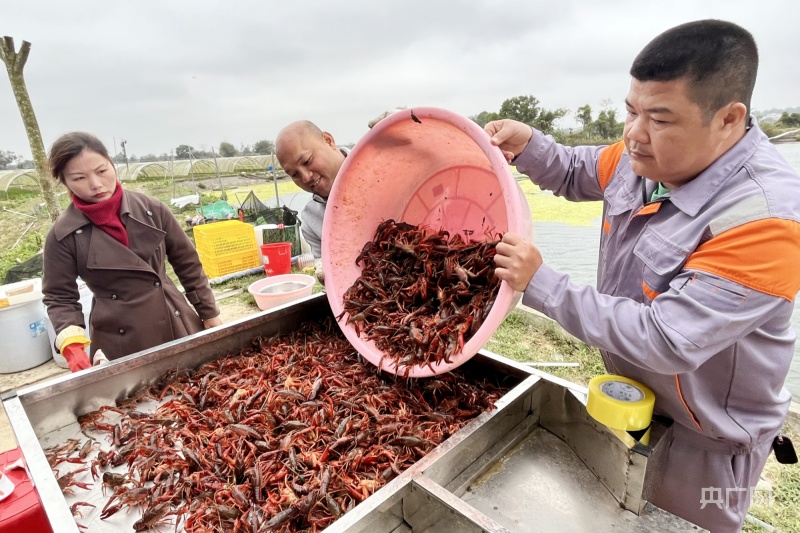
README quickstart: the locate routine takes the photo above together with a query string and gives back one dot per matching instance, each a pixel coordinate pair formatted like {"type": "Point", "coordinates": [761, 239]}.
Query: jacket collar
{"type": "Point", "coordinates": [691, 197]}
{"type": "Point", "coordinates": [125, 206]}
{"type": "Point", "coordinates": [70, 220]}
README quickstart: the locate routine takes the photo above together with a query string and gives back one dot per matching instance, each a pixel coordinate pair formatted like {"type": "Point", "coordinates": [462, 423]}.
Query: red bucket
{"type": "Point", "coordinates": [277, 258]}
{"type": "Point", "coordinates": [21, 510]}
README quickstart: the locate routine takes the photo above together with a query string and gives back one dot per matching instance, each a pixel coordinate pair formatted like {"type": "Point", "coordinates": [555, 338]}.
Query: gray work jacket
{"type": "Point", "coordinates": [695, 290]}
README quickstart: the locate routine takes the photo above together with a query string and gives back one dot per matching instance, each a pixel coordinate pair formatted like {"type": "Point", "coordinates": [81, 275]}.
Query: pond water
{"type": "Point", "coordinates": [573, 250]}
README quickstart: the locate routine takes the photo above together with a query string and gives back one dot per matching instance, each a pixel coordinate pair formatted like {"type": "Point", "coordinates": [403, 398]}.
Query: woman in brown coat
{"type": "Point", "coordinates": [118, 242]}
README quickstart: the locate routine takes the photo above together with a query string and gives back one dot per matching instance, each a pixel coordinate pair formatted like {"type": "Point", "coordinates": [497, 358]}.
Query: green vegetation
{"type": "Point", "coordinates": [605, 129]}
{"type": "Point", "coordinates": [226, 149]}
{"type": "Point", "coordinates": [263, 192]}
{"type": "Point", "coordinates": [21, 207]}
{"type": "Point", "coordinates": [546, 207]}
{"type": "Point", "coordinates": [23, 225]}
{"type": "Point", "coordinates": [526, 337]}
{"type": "Point", "coordinates": [789, 120]}
{"type": "Point", "coordinates": [8, 158]}
{"type": "Point", "coordinates": [783, 509]}
{"type": "Point", "coordinates": [29, 245]}
{"type": "Point", "coordinates": [525, 109]}
{"type": "Point", "coordinates": [771, 130]}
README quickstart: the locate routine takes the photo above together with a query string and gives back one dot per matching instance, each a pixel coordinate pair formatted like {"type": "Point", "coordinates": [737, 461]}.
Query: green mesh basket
{"type": "Point", "coordinates": [283, 233]}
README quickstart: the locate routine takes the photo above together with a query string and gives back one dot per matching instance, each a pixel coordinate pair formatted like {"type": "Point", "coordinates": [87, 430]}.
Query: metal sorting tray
{"type": "Point", "coordinates": [538, 462]}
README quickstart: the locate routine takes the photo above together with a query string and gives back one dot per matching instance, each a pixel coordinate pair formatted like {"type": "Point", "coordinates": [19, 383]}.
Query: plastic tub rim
{"type": "Point", "coordinates": [281, 278]}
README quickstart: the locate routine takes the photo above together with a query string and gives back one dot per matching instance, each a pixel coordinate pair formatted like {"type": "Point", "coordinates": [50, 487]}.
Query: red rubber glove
{"type": "Point", "coordinates": [76, 357]}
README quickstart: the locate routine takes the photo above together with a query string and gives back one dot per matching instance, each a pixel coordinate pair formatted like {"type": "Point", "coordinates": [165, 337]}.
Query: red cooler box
{"type": "Point", "coordinates": [21, 510]}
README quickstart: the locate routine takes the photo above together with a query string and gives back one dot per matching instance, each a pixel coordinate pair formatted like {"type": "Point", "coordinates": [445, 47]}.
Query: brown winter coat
{"type": "Point", "coordinates": [135, 305]}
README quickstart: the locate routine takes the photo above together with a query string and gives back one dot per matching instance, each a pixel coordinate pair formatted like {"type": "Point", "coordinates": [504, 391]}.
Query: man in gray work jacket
{"type": "Point", "coordinates": [698, 266]}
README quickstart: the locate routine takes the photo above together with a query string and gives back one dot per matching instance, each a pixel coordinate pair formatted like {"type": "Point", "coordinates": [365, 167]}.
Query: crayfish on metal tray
{"type": "Point", "coordinates": [292, 433]}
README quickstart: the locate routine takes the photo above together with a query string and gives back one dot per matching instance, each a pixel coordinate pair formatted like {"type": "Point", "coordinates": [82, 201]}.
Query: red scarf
{"type": "Point", "coordinates": [105, 214]}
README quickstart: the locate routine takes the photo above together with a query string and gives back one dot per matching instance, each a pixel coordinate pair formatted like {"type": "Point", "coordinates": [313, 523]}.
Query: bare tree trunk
{"type": "Point", "coordinates": [15, 62]}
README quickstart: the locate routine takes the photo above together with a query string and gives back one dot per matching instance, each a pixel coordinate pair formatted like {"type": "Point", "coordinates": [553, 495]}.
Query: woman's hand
{"type": "Point", "coordinates": [516, 261]}
{"type": "Point", "coordinates": [318, 272]}
{"type": "Point", "coordinates": [99, 358]}
{"type": "Point", "coordinates": [212, 322]}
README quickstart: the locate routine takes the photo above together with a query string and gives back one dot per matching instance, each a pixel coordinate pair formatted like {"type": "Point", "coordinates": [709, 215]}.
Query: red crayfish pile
{"type": "Point", "coordinates": [421, 294]}
{"type": "Point", "coordinates": [286, 436]}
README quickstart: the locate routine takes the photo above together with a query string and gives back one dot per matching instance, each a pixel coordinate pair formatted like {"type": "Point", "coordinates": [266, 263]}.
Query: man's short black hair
{"type": "Point", "coordinates": [718, 59]}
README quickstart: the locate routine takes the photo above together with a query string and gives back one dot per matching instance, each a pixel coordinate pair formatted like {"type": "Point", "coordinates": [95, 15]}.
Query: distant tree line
{"type": "Point", "coordinates": [185, 151]}
{"type": "Point", "coordinates": [226, 149]}
{"type": "Point", "coordinates": [775, 111]}
{"type": "Point", "coordinates": [525, 109]}
{"type": "Point", "coordinates": [10, 160]}
{"type": "Point", "coordinates": [789, 120]}
{"type": "Point", "coordinates": [605, 129]}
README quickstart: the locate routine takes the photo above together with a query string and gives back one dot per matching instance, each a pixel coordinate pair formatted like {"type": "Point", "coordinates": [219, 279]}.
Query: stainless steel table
{"type": "Point", "coordinates": [538, 462]}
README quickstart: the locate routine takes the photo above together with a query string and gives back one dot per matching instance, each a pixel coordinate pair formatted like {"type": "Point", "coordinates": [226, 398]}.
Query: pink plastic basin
{"type": "Point", "coordinates": [439, 170]}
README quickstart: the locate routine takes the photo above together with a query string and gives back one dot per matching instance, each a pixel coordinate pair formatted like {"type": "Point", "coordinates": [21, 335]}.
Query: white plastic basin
{"type": "Point", "coordinates": [281, 289]}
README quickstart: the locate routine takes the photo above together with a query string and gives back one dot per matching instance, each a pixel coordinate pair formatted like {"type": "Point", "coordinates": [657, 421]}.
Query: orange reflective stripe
{"type": "Point", "coordinates": [609, 159]}
{"type": "Point", "coordinates": [606, 226]}
{"type": "Point", "coordinates": [649, 209]}
{"type": "Point", "coordinates": [680, 395]}
{"type": "Point", "coordinates": [763, 255]}
{"type": "Point", "coordinates": [650, 293]}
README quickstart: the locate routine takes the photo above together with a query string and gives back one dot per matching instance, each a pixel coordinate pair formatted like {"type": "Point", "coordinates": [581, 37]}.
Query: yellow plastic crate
{"type": "Point", "coordinates": [216, 266]}
{"type": "Point", "coordinates": [223, 238]}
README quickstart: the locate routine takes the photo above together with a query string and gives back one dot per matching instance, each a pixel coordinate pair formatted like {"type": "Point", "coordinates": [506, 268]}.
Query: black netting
{"type": "Point", "coordinates": [252, 204]}
{"type": "Point", "coordinates": [275, 215]}
{"type": "Point", "coordinates": [32, 268]}
{"type": "Point", "coordinates": [256, 212]}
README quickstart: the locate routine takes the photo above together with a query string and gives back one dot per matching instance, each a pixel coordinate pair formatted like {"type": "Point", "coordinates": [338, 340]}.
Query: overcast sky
{"type": "Point", "coordinates": [170, 72]}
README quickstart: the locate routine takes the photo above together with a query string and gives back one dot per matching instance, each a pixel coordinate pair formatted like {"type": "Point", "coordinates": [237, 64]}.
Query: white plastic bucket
{"type": "Point", "coordinates": [86, 303]}
{"type": "Point", "coordinates": [24, 333]}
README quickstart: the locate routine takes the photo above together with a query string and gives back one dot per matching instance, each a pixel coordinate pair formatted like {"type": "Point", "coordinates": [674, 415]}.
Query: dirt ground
{"type": "Point", "coordinates": [230, 309]}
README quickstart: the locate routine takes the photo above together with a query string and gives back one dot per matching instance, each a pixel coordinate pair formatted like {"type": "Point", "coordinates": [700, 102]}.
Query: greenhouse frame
{"type": "Point", "coordinates": [178, 169]}
{"type": "Point", "coordinates": [20, 179]}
